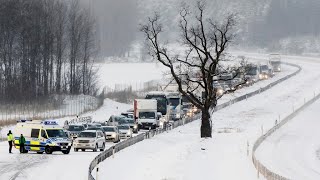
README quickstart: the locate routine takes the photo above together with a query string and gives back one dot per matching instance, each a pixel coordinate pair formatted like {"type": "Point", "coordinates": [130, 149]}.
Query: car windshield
{"type": "Point", "coordinates": [129, 120]}
{"type": "Point", "coordinates": [265, 67]}
{"type": "Point", "coordinates": [252, 71]}
{"type": "Point", "coordinates": [108, 129]}
{"type": "Point", "coordinates": [56, 133]}
{"type": "Point", "coordinates": [275, 63]}
{"type": "Point", "coordinates": [75, 128]}
{"type": "Point", "coordinates": [87, 134]}
{"type": "Point", "coordinates": [123, 127]}
{"type": "Point", "coordinates": [94, 128]}
{"type": "Point", "coordinates": [147, 115]}
{"type": "Point", "coordinates": [174, 102]}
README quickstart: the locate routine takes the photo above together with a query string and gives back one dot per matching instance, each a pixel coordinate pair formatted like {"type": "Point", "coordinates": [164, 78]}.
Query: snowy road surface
{"type": "Point", "coordinates": [178, 155]}
{"type": "Point", "coordinates": [293, 150]}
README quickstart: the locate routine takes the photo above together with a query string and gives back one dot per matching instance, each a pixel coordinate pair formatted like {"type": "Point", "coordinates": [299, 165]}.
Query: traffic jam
{"type": "Point", "coordinates": [157, 110]}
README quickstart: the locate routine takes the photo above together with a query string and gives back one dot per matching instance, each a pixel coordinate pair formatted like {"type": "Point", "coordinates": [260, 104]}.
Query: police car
{"type": "Point", "coordinates": [42, 136]}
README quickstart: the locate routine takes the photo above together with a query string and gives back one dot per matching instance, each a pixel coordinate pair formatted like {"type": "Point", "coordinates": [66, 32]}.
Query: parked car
{"type": "Point", "coordinates": [111, 133]}
{"type": "Point", "coordinates": [125, 131]}
{"type": "Point", "coordinates": [90, 139]}
{"type": "Point", "coordinates": [74, 130]}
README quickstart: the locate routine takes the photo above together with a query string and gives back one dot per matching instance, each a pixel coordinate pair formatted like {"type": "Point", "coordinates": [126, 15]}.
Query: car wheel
{"type": "Point", "coordinates": [76, 150]}
{"type": "Point", "coordinates": [48, 150]}
{"type": "Point", "coordinates": [83, 149]}
{"type": "Point", "coordinates": [95, 148]}
{"type": "Point", "coordinates": [103, 146]}
{"type": "Point", "coordinates": [66, 151]}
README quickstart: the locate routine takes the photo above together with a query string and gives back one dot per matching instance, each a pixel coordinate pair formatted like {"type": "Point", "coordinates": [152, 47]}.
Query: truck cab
{"type": "Point", "coordinates": [175, 106]}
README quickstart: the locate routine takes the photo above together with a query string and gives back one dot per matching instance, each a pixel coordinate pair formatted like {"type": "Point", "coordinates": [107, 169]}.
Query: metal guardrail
{"type": "Point", "coordinates": [262, 169]}
{"type": "Point", "coordinates": [118, 147]}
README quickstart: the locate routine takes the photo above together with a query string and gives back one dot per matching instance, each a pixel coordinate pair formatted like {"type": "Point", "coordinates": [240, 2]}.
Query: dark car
{"type": "Point", "coordinates": [130, 122]}
{"type": "Point", "coordinates": [74, 130]}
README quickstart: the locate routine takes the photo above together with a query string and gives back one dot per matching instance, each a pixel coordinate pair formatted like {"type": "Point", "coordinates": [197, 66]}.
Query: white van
{"type": "Point", "coordinates": [42, 136]}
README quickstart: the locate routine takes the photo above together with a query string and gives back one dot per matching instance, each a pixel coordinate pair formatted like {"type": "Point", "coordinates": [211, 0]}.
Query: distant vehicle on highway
{"type": "Point", "coordinates": [90, 139]}
{"type": "Point", "coordinates": [74, 130]}
{"type": "Point", "coordinates": [133, 125]}
{"type": "Point", "coordinates": [275, 62]}
{"type": "Point", "coordinates": [115, 120]}
{"type": "Point", "coordinates": [111, 133]}
{"type": "Point", "coordinates": [264, 72]}
{"type": "Point", "coordinates": [125, 131]}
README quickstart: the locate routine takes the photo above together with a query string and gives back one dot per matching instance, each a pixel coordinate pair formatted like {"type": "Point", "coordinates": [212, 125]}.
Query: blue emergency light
{"type": "Point", "coordinates": [47, 122]}
{"type": "Point", "coordinates": [24, 120]}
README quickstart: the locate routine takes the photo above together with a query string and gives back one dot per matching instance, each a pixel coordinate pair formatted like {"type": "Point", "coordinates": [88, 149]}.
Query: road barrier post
{"type": "Point", "coordinates": [247, 148]}
{"type": "Point", "coordinates": [113, 151]}
{"type": "Point", "coordinates": [97, 172]}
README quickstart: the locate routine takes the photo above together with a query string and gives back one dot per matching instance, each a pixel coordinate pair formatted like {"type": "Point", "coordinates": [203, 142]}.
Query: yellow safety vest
{"type": "Point", "coordinates": [10, 137]}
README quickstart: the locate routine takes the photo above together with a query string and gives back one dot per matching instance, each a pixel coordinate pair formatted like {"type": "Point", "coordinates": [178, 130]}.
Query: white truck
{"type": "Point", "coordinates": [275, 62]}
{"type": "Point", "coordinates": [175, 112]}
{"type": "Point", "coordinates": [145, 113]}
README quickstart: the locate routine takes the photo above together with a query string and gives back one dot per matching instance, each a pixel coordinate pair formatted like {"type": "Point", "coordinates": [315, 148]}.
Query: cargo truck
{"type": "Point", "coordinates": [145, 113]}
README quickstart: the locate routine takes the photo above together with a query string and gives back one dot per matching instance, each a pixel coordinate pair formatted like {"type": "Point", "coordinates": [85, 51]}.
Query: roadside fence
{"type": "Point", "coordinates": [262, 169]}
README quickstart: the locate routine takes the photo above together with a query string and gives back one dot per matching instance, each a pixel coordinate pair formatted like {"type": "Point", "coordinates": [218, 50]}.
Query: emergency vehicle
{"type": "Point", "coordinates": [42, 136]}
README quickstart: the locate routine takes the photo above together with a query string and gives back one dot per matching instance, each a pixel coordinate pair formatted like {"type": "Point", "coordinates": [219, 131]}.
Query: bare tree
{"type": "Point", "coordinates": [205, 42]}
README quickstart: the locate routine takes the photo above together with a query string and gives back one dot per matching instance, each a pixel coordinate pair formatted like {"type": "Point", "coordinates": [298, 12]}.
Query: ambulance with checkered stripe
{"type": "Point", "coordinates": [42, 136]}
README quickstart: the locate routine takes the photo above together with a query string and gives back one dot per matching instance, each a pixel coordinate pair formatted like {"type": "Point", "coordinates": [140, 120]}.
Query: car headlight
{"type": "Point", "coordinates": [220, 91]}
{"type": "Point", "coordinates": [129, 133]}
{"type": "Point", "coordinates": [92, 140]}
{"type": "Point", "coordinates": [260, 76]}
{"type": "Point", "coordinates": [114, 135]}
{"type": "Point", "coordinates": [178, 115]}
{"type": "Point", "coordinates": [135, 126]}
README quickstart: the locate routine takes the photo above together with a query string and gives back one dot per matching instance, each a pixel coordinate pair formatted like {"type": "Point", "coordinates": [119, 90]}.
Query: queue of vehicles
{"type": "Point", "coordinates": [255, 73]}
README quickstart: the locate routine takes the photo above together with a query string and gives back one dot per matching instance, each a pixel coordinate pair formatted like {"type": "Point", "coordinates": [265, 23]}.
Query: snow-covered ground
{"type": "Point", "coordinates": [56, 166]}
{"type": "Point", "coordinates": [293, 150]}
{"type": "Point", "coordinates": [178, 155]}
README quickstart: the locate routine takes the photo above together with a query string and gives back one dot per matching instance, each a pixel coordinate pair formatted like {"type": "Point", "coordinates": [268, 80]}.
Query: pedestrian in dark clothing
{"type": "Point", "coordinates": [10, 140]}
{"type": "Point", "coordinates": [22, 141]}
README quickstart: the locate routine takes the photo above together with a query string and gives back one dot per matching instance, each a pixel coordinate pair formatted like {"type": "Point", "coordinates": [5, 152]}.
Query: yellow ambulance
{"type": "Point", "coordinates": [42, 136]}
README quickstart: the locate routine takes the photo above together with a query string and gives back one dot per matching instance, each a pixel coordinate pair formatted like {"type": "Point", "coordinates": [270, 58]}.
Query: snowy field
{"type": "Point", "coordinates": [121, 75]}
{"type": "Point", "coordinates": [72, 166]}
{"type": "Point", "coordinates": [293, 150]}
{"type": "Point", "coordinates": [178, 155]}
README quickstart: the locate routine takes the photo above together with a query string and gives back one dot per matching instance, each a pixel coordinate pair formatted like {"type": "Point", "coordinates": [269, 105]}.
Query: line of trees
{"type": "Point", "coordinates": [46, 47]}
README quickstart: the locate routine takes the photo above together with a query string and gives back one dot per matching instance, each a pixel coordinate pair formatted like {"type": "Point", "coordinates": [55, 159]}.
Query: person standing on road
{"type": "Point", "coordinates": [10, 140]}
{"type": "Point", "coordinates": [22, 141]}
